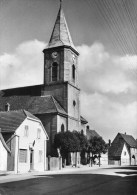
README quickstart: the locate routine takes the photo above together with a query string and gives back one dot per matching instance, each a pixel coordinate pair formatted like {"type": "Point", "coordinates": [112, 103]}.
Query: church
{"type": "Point", "coordinates": [56, 102]}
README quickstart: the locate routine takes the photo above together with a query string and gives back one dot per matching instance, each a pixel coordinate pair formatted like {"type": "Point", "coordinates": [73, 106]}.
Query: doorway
{"type": "Point", "coordinates": [31, 160]}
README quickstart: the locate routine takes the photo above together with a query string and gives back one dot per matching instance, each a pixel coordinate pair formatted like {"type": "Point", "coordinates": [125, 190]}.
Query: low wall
{"type": "Point", "coordinates": [114, 162]}
{"type": "Point", "coordinates": [54, 163]}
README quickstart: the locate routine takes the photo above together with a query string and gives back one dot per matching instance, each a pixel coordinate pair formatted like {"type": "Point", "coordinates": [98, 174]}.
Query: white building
{"type": "Point", "coordinates": [123, 150]}
{"type": "Point", "coordinates": [125, 156]}
{"type": "Point", "coordinates": [26, 138]}
{"type": "Point", "coordinates": [4, 150]}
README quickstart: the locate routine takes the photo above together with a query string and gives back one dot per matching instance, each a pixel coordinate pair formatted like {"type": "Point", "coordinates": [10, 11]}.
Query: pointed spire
{"type": "Point", "coordinates": [60, 34]}
{"type": "Point", "coordinates": [61, 2]}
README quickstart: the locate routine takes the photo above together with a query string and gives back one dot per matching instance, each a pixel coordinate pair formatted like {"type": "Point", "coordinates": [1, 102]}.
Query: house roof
{"type": "Point", "coordinates": [60, 34]}
{"type": "Point", "coordinates": [11, 120]}
{"type": "Point", "coordinates": [129, 140]}
{"type": "Point", "coordinates": [33, 90]}
{"type": "Point", "coordinates": [116, 147]}
{"type": "Point", "coordinates": [4, 143]}
{"type": "Point", "coordinates": [33, 104]}
{"type": "Point", "coordinates": [83, 120]}
{"type": "Point", "coordinates": [91, 133]}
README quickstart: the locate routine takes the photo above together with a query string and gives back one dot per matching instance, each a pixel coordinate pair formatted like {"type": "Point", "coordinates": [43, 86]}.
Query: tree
{"type": "Point", "coordinates": [97, 146]}
{"type": "Point", "coordinates": [83, 140]}
{"type": "Point", "coordinates": [83, 146]}
{"type": "Point", "coordinates": [67, 142]}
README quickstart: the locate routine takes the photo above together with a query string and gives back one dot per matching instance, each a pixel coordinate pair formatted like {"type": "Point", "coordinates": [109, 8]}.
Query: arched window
{"type": "Point", "coordinates": [74, 103]}
{"type": "Point", "coordinates": [73, 71]}
{"type": "Point", "coordinates": [54, 71]}
{"type": "Point", "coordinates": [62, 128]}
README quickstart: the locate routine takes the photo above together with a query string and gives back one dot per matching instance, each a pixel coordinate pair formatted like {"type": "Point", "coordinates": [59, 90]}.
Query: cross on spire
{"type": "Point", "coordinates": [60, 35]}
{"type": "Point", "coordinates": [61, 2]}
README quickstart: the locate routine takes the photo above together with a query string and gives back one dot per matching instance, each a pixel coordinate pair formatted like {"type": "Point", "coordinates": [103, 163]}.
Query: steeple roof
{"type": "Point", "coordinates": [60, 34]}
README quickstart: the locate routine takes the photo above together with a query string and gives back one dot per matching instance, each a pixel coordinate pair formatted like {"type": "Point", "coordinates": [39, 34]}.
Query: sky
{"type": "Point", "coordinates": [104, 33]}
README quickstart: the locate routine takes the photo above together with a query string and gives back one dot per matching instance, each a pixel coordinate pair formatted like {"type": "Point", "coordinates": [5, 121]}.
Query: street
{"type": "Point", "coordinates": [101, 181]}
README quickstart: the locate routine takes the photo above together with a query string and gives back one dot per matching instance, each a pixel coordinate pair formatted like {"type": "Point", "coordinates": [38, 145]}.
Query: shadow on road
{"type": "Point", "coordinates": [124, 167]}
{"type": "Point", "coordinates": [127, 173]}
{"type": "Point", "coordinates": [3, 174]}
{"type": "Point", "coordinates": [77, 184]}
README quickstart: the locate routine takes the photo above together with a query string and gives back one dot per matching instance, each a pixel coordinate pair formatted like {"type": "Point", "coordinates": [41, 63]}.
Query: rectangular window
{"type": "Point", "coordinates": [26, 131]}
{"type": "Point", "coordinates": [40, 155]}
{"type": "Point", "coordinates": [22, 155]}
{"type": "Point", "coordinates": [38, 133]}
{"type": "Point", "coordinates": [124, 153]}
{"type": "Point", "coordinates": [73, 71]}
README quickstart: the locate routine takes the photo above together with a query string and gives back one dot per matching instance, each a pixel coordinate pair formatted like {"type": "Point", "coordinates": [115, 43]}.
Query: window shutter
{"type": "Point", "coordinates": [22, 155]}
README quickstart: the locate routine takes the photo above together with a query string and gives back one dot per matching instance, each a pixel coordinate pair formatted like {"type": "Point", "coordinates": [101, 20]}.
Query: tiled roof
{"type": "Point", "coordinates": [60, 34]}
{"type": "Point", "coordinates": [29, 115]}
{"type": "Point", "coordinates": [58, 107]}
{"type": "Point", "coordinates": [118, 143]}
{"type": "Point", "coordinates": [4, 143]}
{"type": "Point", "coordinates": [33, 104]}
{"type": "Point", "coordinates": [116, 148]}
{"type": "Point", "coordinates": [91, 133]}
{"type": "Point", "coordinates": [11, 120]}
{"type": "Point", "coordinates": [129, 140]}
{"type": "Point", "coordinates": [34, 90]}
{"type": "Point", "coordinates": [83, 120]}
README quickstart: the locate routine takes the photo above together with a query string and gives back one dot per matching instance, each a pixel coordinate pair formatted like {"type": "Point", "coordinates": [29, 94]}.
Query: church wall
{"type": "Point", "coordinates": [70, 58]}
{"type": "Point", "coordinates": [59, 92]}
{"type": "Point", "coordinates": [49, 122]}
{"type": "Point", "coordinates": [49, 60]}
{"type": "Point", "coordinates": [61, 120]}
{"type": "Point", "coordinates": [83, 127]}
{"type": "Point", "coordinates": [73, 102]}
{"type": "Point", "coordinates": [73, 124]}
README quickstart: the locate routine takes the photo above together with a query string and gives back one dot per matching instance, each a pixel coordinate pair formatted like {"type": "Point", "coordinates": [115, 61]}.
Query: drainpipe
{"type": "Point", "coordinates": [45, 154]}
{"type": "Point", "coordinates": [130, 156]}
{"type": "Point", "coordinates": [17, 153]}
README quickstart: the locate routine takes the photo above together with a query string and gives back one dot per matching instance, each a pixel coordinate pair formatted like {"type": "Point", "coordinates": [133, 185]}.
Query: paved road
{"type": "Point", "coordinates": [105, 181]}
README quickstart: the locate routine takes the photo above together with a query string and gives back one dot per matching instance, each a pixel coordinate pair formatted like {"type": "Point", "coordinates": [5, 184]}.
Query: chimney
{"type": "Point", "coordinates": [109, 142]}
{"type": "Point", "coordinates": [125, 133]}
{"type": "Point", "coordinates": [7, 107]}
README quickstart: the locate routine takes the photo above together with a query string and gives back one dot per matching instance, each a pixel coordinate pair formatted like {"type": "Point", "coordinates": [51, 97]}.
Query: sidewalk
{"type": "Point", "coordinates": [10, 176]}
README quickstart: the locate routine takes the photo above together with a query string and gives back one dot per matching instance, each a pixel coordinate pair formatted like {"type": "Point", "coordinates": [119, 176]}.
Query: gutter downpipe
{"type": "Point", "coordinates": [45, 154]}
{"type": "Point", "coordinates": [18, 154]}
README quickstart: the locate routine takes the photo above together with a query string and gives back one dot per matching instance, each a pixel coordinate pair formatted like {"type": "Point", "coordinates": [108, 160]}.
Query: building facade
{"type": "Point", "coordinates": [57, 101]}
{"type": "Point", "coordinates": [26, 140]}
{"type": "Point", "coordinates": [4, 152]}
{"type": "Point", "coordinates": [123, 150]}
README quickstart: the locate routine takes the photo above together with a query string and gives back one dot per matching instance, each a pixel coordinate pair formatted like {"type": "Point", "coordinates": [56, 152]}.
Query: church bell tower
{"type": "Point", "coordinates": [61, 70]}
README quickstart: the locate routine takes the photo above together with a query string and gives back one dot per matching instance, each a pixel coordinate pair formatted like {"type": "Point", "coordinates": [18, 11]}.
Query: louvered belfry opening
{"type": "Point", "coordinates": [54, 71]}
